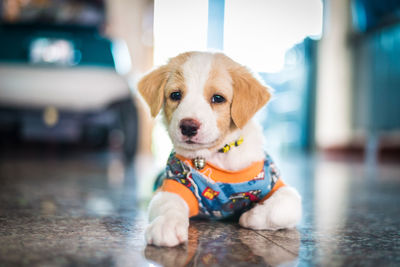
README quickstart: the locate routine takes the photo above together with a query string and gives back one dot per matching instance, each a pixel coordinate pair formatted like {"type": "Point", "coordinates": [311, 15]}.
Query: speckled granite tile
{"type": "Point", "coordinates": [65, 212]}
{"type": "Point", "coordinates": [82, 209]}
{"type": "Point", "coordinates": [224, 244]}
{"type": "Point", "coordinates": [351, 213]}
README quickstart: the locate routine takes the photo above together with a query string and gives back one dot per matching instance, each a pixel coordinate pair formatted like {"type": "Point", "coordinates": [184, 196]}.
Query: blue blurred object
{"type": "Point", "coordinates": [377, 73]}
{"type": "Point", "coordinates": [89, 47]}
{"type": "Point", "coordinates": [377, 83]}
{"type": "Point", "coordinates": [290, 116]}
{"type": "Point", "coordinates": [370, 15]}
{"type": "Point", "coordinates": [215, 28]}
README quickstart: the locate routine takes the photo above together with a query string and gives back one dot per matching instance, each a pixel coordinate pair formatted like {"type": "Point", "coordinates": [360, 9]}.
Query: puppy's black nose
{"type": "Point", "coordinates": [189, 127]}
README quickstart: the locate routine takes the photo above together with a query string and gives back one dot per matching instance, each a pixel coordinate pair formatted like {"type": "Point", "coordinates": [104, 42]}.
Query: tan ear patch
{"type": "Point", "coordinates": [249, 95]}
{"type": "Point", "coordinates": [151, 87]}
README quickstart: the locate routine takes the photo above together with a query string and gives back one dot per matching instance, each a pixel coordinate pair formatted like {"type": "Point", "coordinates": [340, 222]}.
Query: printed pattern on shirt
{"type": "Point", "coordinates": [222, 200]}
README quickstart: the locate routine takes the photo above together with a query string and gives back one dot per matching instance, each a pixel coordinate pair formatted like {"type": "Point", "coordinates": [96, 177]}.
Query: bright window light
{"type": "Point", "coordinates": [179, 26]}
{"type": "Point", "coordinates": [259, 32]}
{"type": "Point", "coordinates": [121, 56]}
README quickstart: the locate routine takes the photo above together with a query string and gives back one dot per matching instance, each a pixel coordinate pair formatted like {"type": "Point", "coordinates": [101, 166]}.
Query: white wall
{"type": "Point", "coordinates": [334, 84]}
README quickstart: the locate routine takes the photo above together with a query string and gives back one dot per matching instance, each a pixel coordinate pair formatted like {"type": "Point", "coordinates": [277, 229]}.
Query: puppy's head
{"type": "Point", "coordinates": [204, 96]}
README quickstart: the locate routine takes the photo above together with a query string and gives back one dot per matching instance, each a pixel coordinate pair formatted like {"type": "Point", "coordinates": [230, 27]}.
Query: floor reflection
{"type": "Point", "coordinates": [224, 244]}
{"type": "Point", "coordinates": [79, 208]}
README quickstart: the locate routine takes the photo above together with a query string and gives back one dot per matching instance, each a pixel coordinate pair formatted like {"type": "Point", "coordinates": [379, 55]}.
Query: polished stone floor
{"type": "Point", "coordinates": [85, 208]}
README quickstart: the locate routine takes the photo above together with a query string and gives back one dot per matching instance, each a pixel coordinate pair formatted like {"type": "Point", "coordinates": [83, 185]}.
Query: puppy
{"type": "Point", "coordinates": [218, 168]}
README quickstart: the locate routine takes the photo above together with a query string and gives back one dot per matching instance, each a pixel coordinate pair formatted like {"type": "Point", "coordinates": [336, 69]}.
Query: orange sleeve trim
{"type": "Point", "coordinates": [277, 185]}
{"type": "Point", "coordinates": [173, 186]}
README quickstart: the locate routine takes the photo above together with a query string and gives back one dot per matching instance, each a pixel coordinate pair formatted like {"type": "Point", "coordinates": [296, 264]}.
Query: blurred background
{"type": "Point", "coordinates": [79, 152]}
{"type": "Point", "coordinates": [69, 68]}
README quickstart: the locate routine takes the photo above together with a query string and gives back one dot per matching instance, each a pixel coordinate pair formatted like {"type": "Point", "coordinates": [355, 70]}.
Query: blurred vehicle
{"type": "Point", "coordinates": [58, 78]}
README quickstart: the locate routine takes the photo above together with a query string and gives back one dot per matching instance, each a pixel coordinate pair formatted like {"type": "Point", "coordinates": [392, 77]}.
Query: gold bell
{"type": "Point", "coordinates": [199, 163]}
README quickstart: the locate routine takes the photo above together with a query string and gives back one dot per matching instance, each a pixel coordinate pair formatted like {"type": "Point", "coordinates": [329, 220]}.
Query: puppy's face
{"type": "Point", "coordinates": [204, 97]}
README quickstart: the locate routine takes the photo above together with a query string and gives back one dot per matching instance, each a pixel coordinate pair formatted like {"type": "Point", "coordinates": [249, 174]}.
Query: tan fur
{"type": "Point", "coordinates": [245, 95]}
{"type": "Point", "coordinates": [249, 95]}
{"type": "Point", "coordinates": [179, 60]}
{"type": "Point", "coordinates": [220, 82]}
{"type": "Point", "coordinates": [175, 83]}
{"type": "Point", "coordinates": [152, 87]}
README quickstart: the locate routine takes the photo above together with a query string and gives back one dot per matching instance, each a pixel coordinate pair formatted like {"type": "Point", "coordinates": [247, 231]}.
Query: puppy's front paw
{"type": "Point", "coordinates": [167, 230]}
{"type": "Point", "coordinates": [281, 210]}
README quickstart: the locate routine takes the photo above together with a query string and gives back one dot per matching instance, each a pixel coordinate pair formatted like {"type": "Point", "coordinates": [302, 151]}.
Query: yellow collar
{"type": "Point", "coordinates": [199, 162]}
{"type": "Point", "coordinates": [229, 146]}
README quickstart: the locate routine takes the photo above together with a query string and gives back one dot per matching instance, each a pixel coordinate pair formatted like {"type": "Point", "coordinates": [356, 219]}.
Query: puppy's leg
{"type": "Point", "coordinates": [282, 210]}
{"type": "Point", "coordinates": [169, 220]}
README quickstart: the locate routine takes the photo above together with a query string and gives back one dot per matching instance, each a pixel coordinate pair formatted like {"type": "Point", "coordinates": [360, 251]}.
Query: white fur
{"type": "Point", "coordinates": [251, 150]}
{"type": "Point", "coordinates": [168, 212]}
{"type": "Point", "coordinates": [281, 210]}
{"type": "Point", "coordinates": [195, 71]}
{"type": "Point", "coordinates": [169, 220]}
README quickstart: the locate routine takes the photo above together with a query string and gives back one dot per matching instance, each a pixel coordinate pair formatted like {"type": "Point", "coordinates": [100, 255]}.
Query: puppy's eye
{"type": "Point", "coordinates": [175, 96]}
{"type": "Point", "coordinates": [217, 99]}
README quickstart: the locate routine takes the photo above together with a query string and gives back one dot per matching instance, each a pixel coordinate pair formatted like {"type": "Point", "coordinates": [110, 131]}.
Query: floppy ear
{"type": "Point", "coordinates": [249, 95]}
{"type": "Point", "coordinates": [151, 87]}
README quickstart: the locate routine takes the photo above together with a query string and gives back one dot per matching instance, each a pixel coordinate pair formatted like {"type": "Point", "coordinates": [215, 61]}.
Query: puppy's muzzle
{"type": "Point", "coordinates": [189, 127]}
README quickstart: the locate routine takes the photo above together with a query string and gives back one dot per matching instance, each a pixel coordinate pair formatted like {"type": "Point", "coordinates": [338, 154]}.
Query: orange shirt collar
{"type": "Point", "coordinates": [224, 176]}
